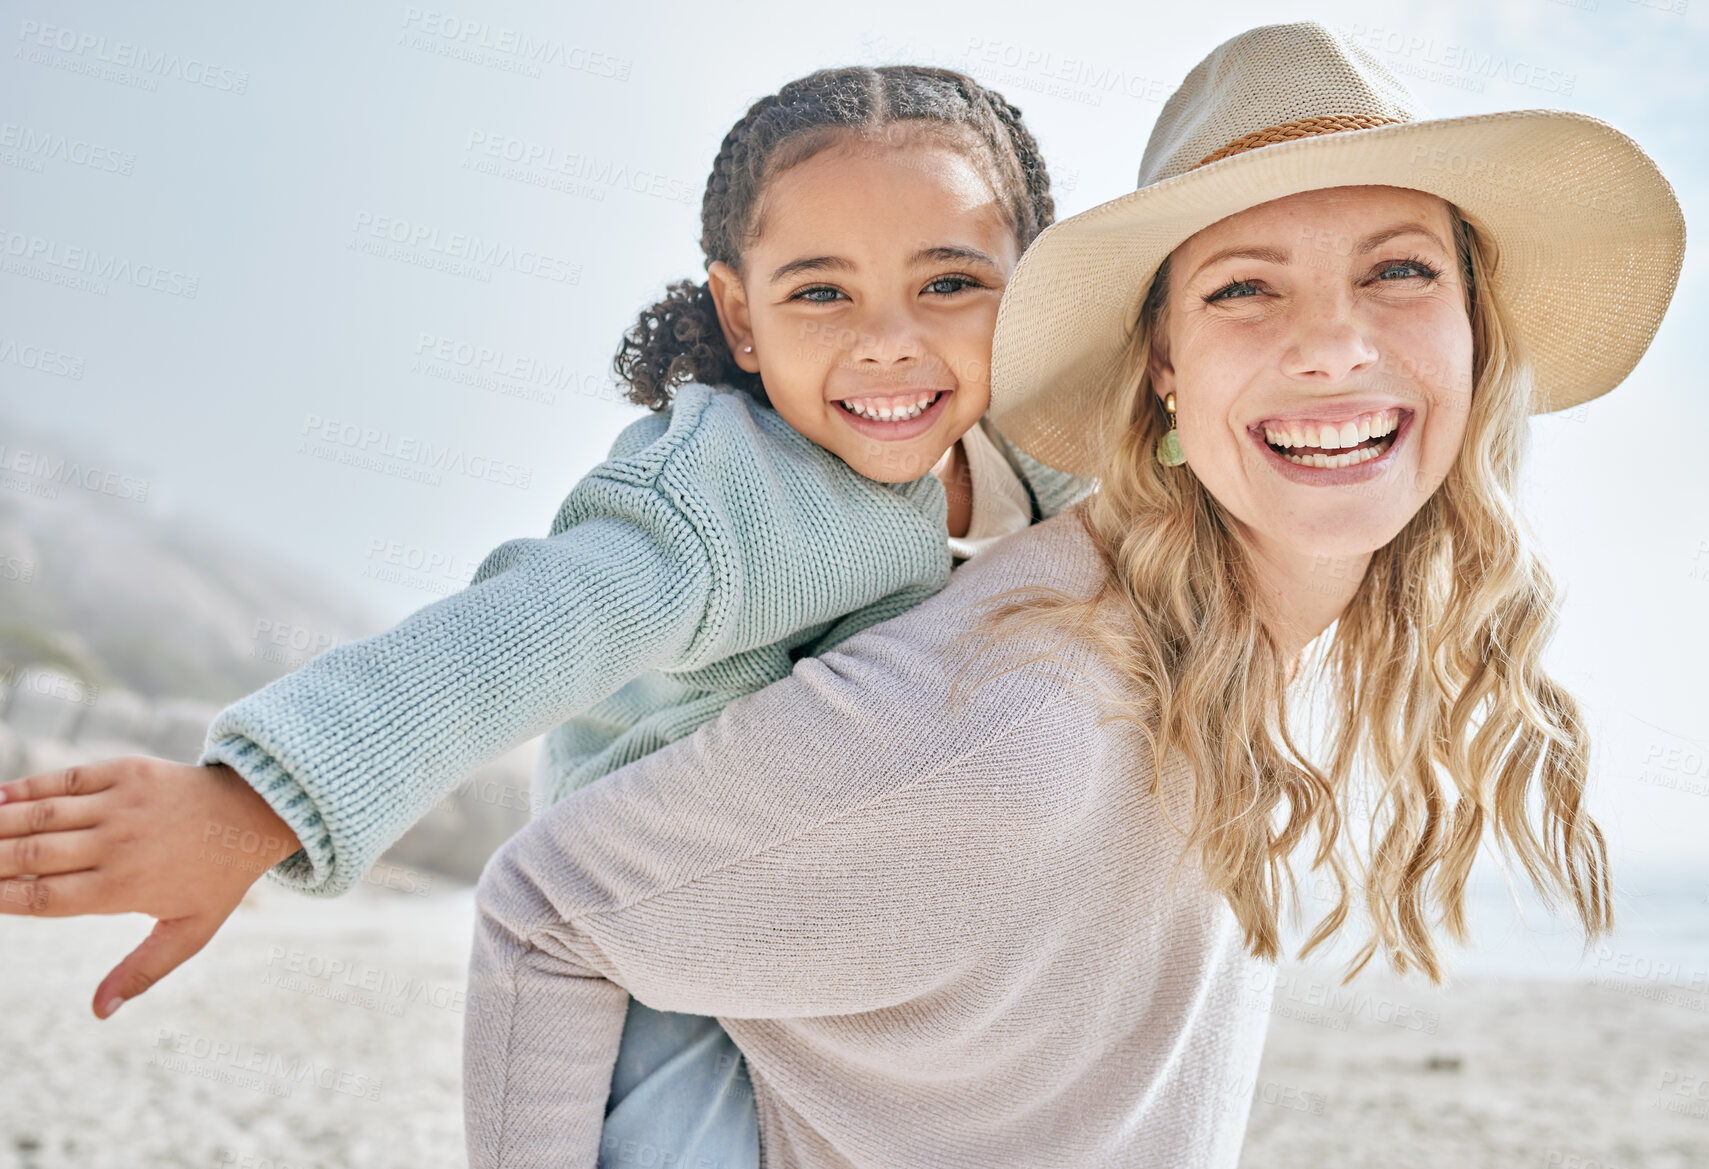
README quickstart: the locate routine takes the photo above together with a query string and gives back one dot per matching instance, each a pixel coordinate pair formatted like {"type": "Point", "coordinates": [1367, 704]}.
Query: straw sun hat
{"type": "Point", "coordinates": [1589, 234]}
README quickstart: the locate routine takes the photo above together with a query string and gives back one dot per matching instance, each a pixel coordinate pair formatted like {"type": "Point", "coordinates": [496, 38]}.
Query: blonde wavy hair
{"type": "Point", "coordinates": [1438, 688]}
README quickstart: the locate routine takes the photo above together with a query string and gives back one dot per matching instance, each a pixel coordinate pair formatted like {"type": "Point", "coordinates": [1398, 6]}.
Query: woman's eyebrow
{"type": "Point", "coordinates": [1377, 239]}
{"type": "Point", "coordinates": [1245, 252]}
{"type": "Point", "coordinates": [1369, 243]}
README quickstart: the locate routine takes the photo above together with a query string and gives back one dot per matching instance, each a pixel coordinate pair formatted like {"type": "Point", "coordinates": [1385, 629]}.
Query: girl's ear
{"type": "Point", "coordinates": [731, 301]}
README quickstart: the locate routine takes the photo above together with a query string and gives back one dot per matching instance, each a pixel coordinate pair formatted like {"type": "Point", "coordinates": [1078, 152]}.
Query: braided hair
{"type": "Point", "coordinates": [679, 339]}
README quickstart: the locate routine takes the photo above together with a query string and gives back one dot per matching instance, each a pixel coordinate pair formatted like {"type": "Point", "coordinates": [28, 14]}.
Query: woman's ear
{"type": "Point", "coordinates": [731, 301]}
{"type": "Point", "coordinates": [1162, 373]}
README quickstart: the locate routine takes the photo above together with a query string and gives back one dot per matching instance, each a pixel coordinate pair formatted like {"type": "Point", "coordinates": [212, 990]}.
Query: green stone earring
{"type": "Point", "coordinates": [1169, 451]}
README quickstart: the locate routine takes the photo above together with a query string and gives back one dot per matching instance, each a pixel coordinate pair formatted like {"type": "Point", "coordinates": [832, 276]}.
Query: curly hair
{"type": "Point", "coordinates": [679, 339]}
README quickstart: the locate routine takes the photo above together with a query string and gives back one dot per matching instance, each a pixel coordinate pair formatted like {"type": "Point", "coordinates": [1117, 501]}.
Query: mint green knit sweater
{"type": "Point", "coordinates": [715, 548]}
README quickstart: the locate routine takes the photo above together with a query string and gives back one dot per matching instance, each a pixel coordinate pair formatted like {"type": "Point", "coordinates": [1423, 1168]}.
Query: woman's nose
{"type": "Point", "coordinates": [1328, 342]}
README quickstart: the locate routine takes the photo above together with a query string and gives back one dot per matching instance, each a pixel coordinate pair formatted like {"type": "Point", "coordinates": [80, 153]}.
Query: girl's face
{"type": "Point", "coordinates": [1328, 327]}
{"type": "Point", "coordinates": [869, 298]}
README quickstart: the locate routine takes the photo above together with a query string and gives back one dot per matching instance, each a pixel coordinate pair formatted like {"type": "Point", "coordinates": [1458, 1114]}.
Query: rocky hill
{"type": "Point", "coordinates": [125, 626]}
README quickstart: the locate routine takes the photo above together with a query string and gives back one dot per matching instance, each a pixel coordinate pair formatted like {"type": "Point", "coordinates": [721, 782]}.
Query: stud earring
{"type": "Point", "coordinates": [747, 349]}
{"type": "Point", "coordinates": [1169, 451]}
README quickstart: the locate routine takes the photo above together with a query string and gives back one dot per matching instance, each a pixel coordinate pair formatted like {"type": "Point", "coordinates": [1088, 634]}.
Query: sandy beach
{"type": "Point", "coordinates": [1602, 1072]}
{"type": "Point", "coordinates": [323, 1034]}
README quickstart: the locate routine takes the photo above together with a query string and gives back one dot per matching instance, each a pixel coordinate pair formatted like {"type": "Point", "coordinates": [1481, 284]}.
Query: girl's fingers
{"type": "Point", "coordinates": [48, 815]}
{"type": "Point", "coordinates": [170, 944]}
{"type": "Point", "coordinates": [71, 781]}
{"type": "Point", "coordinates": [64, 895]}
{"type": "Point", "coordinates": [49, 853]}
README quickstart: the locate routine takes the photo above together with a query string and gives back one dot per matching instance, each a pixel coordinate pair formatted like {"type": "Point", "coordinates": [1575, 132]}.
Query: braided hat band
{"type": "Point", "coordinates": [1298, 128]}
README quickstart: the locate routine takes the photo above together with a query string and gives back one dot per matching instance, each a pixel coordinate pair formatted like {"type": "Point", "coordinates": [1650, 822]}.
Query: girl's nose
{"type": "Point", "coordinates": [887, 338]}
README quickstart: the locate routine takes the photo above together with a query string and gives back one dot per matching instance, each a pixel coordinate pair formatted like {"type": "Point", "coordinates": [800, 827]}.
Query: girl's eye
{"type": "Point", "coordinates": [810, 294]}
{"type": "Point", "coordinates": [1235, 291]}
{"type": "Point", "coordinates": [950, 285]}
{"type": "Point", "coordinates": [1406, 270]}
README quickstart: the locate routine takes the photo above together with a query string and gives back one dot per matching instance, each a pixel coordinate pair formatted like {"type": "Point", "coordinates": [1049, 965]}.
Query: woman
{"type": "Point", "coordinates": [1021, 847]}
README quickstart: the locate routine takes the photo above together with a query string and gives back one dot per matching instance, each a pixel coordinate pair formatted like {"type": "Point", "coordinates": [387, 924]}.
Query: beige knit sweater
{"type": "Point", "coordinates": [938, 926]}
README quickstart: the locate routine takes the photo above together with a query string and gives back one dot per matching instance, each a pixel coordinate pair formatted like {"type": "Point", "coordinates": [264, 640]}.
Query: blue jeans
{"type": "Point", "coordinates": [680, 1097]}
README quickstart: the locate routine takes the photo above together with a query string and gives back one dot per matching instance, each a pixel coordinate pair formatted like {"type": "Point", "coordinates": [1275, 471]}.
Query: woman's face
{"type": "Point", "coordinates": [1320, 353]}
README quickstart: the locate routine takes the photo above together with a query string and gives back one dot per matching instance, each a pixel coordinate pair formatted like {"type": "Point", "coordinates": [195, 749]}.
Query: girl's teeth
{"type": "Point", "coordinates": [890, 413]}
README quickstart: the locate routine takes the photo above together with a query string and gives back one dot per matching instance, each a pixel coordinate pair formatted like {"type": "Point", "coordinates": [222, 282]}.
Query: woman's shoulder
{"type": "Point", "coordinates": [946, 635]}
{"type": "Point", "coordinates": [1024, 703]}
{"type": "Point", "coordinates": [1056, 553]}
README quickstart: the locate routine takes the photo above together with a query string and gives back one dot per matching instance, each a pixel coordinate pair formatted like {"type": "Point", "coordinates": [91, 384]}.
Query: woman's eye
{"type": "Point", "coordinates": [1406, 270]}
{"type": "Point", "coordinates": [813, 294]}
{"type": "Point", "coordinates": [1235, 291]}
{"type": "Point", "coordinates": [949, 285]}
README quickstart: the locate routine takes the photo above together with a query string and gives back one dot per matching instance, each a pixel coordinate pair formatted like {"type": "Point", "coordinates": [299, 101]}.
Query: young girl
{"type": "Point", "coordinates": [859, 227]}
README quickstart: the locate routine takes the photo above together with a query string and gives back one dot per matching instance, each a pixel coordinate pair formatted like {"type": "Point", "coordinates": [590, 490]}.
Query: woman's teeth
{"type": "Point", "coordinates": [1350, 459]}
{"type": "Point", "coordinates": [890, 409]}
{"type": "Point", "coordinates": [1375, 431]}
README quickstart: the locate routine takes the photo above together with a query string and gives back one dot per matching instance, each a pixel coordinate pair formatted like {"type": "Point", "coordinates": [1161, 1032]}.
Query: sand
{"type": "Point", "coordinates": [1599, 1072]}
{"type": "Point", "coordinates": [321, 1034]}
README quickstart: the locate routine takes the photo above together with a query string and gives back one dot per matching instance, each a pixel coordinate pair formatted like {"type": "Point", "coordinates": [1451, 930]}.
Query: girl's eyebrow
{"type": "Point", "coordinates": [950, 253]}
{"type": "Point", "coordinates": [943, 253]}
{"type": "Point", "coordinates": [815, 264]}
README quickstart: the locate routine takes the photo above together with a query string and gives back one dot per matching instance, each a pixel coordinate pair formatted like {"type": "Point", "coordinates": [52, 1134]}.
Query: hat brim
{"type": "Point", "coordinates": [1589, 234]}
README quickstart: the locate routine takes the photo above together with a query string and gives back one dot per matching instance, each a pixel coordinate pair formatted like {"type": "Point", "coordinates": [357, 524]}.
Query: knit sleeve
{"type": "Point", "coordinates": [358, 744]}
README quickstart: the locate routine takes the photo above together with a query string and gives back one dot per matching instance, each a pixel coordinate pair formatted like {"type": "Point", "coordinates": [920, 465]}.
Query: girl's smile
{"type": "Point", "coordinates": [894, 417]}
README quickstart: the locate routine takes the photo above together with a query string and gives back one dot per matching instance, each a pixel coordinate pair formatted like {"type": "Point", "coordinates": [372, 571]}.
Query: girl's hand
{"type": "Point", "coordinates": [135, 834]}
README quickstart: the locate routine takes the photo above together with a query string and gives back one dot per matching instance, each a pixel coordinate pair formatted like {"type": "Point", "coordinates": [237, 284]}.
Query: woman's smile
{"type": "Point", "coordinates": [1307, 454]}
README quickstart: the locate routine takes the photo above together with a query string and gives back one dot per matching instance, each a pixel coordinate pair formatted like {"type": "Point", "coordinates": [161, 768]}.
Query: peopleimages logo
{"type": "Point", "coordinates": [31, 255]}
{"type": "Point", "coordinates": [588, 168]}
{"type": "Point", "coordinates": [512, 49]}
{"type": "Point", "coordinates": [20, 469]}
{"type": "Point", "coordinates": [40, 359]}
{"type": "Point", "coordinates": [470, 249]}
{"type": "Point", "coordinates": [405, 456]}
{"type": "Point", "coordinates": [47, 144]}
{"type": "Point", "coordinates": [202, 1054]}
{"type": "Point", "coordinates": [1479, 64]}
{"type": "Point", "coordinates": [127, 55]}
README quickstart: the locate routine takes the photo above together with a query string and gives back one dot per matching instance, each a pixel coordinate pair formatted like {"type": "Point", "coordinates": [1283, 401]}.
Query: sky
{"type": "Point", "coordinates": [290, 191]}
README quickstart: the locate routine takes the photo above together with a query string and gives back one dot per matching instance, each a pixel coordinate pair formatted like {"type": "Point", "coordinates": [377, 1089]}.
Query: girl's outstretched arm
{"type": "Point", "coordinates": [724, 533]}
{"type": "Point", "coordinates": [320, 770]}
